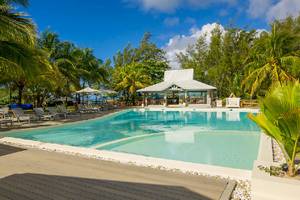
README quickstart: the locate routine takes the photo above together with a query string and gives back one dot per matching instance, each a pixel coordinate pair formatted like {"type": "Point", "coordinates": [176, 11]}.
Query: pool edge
{"type": "Point", "coordinates": [139, 160]}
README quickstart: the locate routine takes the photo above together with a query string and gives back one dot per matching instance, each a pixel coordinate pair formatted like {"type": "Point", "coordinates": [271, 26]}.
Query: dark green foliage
{"type": "Point", "coordinates": [244, 62]}
{"type": "Point", "coordinates": [138, 67]}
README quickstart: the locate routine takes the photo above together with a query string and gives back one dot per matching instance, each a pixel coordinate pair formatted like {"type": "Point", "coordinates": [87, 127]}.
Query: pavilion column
{"type": "Point", "coordinates": [208, 97]}
{"type": "Point", "coordinates": [185, 98]}
{"type": "Point", "coordinates": [165, 99]}
{"type": "Point", "coordinates": [143, 104]}
{"type": "Point", "coordinates": [146, 100]}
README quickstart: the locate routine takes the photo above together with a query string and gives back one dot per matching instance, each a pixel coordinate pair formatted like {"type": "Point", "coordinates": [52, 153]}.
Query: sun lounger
{"type": "Point", "coordinates": [62, 109]}
{"type": "Point", "coordinates": [6, 121]}
{"type": "Point", "coordinates": [4, 118]}
{"type": "Point", "coordinates": [40, 113]}
{"type": "Point", "coordinates": [20, 116]}
{"type": "Point", "coordinates": [55, 113]}
{"type": "Point", "coordinates": [86, 109]}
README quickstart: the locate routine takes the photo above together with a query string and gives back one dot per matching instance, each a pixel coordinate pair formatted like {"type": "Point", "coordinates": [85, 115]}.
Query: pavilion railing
{"type": "Point", "coordinates": [197, 100]}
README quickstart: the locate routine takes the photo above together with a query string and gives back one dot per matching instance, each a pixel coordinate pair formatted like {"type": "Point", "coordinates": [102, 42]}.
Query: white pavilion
{"type": "Point", "coordinates": [179, 89]}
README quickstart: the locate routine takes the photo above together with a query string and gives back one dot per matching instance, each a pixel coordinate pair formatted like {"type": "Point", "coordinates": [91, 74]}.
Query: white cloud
{"type": "Point", "coordinates": [171, 21]}
{"type": "Point", "coordinates": [171, 5]}
{"type": "Point", "coordinates": [273, 10]}
{"type": "Point", "coordinates": [269, 9]}
{"type": "Point", "coordinates": [260, 31]}
{"type": "Point", "coordinates": [205, 3]}
{"type": "Point", "coordinates": [258, 8]}
{"type": "Point", "coordinates": [180, 43]}
{"type": "Point", "coordinates": [158, 5]}
{"type": "Point", "coordinates": [283, 9]}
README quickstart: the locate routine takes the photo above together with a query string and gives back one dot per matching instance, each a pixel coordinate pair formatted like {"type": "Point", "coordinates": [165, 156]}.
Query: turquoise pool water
{"type": "Point", "coordinates": [227, 139]}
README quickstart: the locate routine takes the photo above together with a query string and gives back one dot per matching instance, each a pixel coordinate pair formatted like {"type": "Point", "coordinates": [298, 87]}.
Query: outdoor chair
{"type": "Point", "coordinates": [86, 109]}
{"type": "Point", "coordinates": [20, 116]}
{"type": "Point", "coordinates": [55, 113]}
{"type": "Point", "coordinates": [219, 104]}
{"type": "Point", "coordinates": [4, 118]}
{"type": "Point", "coordinates": [63, 110]}
{"type": "Point", "coordinates": [40, 113]}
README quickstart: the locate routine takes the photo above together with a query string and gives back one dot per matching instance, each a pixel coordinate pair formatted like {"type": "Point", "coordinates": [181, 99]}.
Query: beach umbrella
{"type": "Point", "coordinates": [88, 91]}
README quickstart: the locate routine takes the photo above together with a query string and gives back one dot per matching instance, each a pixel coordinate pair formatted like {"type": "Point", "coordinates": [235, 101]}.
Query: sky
{"type": "Point", "coordinates": [107, 26]}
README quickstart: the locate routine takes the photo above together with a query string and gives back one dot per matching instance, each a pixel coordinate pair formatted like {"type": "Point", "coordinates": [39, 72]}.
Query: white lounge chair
{"type": "Point", "coordinates": [233, 102]}
{"type": "Point", "coordinates": [20, 116]}
{"type": "Point", "coordinates": [4, 118]}
{"type": "Point", "coordinates": [219, 104]}
{"type": "Point", "coordinates": [63, 111]}
{"type": "Point", "coordinates": [40, 113]}
{"type": "Point", "coordinates": [54, 112]}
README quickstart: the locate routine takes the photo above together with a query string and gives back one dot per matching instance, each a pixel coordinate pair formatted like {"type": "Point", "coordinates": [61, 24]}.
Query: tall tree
{"type": "Point", "coordinates": [20, 60]}
{"type": "Point", "coordinates": [147, 61]}
{"type": "Point", "coordinates": [272, 59]}
{"type": "Point", "coordinates": [220, 62]}
{"type": "Point", "coordinates": [131, 78]}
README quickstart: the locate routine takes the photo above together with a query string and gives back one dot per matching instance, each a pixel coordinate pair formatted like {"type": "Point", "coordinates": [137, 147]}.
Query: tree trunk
{"type": "Point", "coordinates": [20, 92]}
{"type": "Point", "coordinates": [291, 169]}
{"type": "Point", "coordinates": [133, 99]}
{"type": "Point", "coordinates": [38, 101]}
{"type": "Point", "coordinates": [10, 95]}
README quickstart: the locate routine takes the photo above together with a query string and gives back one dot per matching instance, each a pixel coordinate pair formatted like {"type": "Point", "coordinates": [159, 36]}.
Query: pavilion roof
{"type": "Point", "coordinates": [180, 78]}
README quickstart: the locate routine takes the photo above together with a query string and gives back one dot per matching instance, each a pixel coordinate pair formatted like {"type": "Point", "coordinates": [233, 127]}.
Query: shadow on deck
{"type": "Point", "coordinates": [39, 186]}
{"type": "Point", "coordinates": [5, 149]}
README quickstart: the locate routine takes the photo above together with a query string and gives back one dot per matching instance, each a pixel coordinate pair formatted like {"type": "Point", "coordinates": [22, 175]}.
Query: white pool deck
{"type": "Point", "coordinates": [139, 160]}
{"type": "Point", "coordinates": [199, 109]}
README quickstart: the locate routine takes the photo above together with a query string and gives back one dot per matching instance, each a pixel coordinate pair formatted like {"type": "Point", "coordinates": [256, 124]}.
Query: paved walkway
{"type": "Point", "coordinates": [36, 174]}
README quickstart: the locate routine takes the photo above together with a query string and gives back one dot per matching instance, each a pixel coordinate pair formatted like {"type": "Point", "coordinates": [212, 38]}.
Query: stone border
{"type": "Point", "coordinates": [125, 158]}
{"type": "Point", "coordinates": [253, 110]}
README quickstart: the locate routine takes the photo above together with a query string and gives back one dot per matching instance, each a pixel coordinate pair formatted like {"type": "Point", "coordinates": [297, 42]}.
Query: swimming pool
{"type": "Point", "coordinates": [227, 139]}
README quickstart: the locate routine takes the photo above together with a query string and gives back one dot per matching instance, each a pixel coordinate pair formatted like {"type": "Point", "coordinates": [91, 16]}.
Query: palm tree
{"type": "Point", "coordinates": [17, 39]}
{"type": "Point", "coordinates": [280, 119]}
{"type": "Point", "coordinates": [76, 66]}
{"type": "Point", "coordinates": [271, 61]}
{"type": "Point", "coordinates": [131, 78]}
{"type": "Point", "coordinates": [90, 68]}
{"type": "Point", "coordinates": [20, 60]}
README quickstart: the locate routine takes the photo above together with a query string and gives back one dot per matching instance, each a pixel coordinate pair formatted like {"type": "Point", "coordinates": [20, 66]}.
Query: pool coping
{"type": "Point", "coordinates": [138, 160]}
{"type": "Point", "coordinates": [184, 109]}
{"type": "Point", "coordinates": [254, 110]}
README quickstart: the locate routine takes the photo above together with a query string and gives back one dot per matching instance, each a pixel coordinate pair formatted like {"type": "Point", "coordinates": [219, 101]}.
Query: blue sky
{"type": "Point", "coordinates": [108, 26]}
